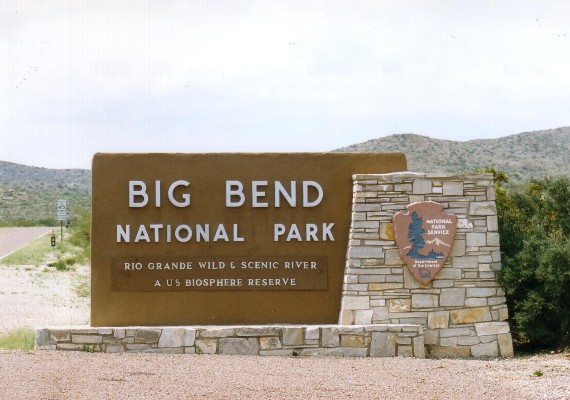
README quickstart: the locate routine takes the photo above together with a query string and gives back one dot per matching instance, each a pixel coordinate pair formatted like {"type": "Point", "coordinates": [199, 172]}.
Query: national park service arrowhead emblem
{"type": "Point", "coordinates": [424, 235]}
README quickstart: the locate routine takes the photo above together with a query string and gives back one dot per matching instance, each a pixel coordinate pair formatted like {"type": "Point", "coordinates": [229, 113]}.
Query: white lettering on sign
{"type": "Point", "coordinates": [259, 265]}
{"type": "Point", "coordinates": [137, 188]}
{"type": "Point", "coordinates": [311, 192]}
{"type": "Point", "coordinates": [289, 197]}
{"type": "Point", "coordinates": [300, 265]}
{"type": "Point", "coordinates": [185, 197]}
{"type": "Point", "coordinates": [310, 232]}
{"type": "Point", "coordinates": [257, 194]}
{"type": "Point", "coordinates": [167, 266]}
{"type": "Point", "coordinates": [211, 265]}
{"type": "Point", "coordinates": [438, 226]}
{"type": "Point", "coordinates": [132, 266]}
{"type": "Point", "coordinates": [182, 233]}
{"type": "Point", "coordinates": [138, 196]}
{"type": "Point", "coordinates": [207, 272]}
{"type": "Point", "coordinates": [234, 188]}
{"type": "Point", "coordinates": [272, 282]}
{"type": "Point", "coordinates": [214, 282]}
{"type": "Point", "coordinates": [317, 201]}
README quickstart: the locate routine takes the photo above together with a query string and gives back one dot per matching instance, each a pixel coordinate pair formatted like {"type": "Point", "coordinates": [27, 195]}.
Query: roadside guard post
{"type": "Point", "coordinates": [53, 238]}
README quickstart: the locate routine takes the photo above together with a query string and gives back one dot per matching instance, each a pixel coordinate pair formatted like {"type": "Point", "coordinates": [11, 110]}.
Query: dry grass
{"type": "Point", "coordinates": [18, 339]}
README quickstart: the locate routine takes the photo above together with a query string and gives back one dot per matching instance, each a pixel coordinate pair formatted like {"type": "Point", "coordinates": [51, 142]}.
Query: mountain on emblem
{"type": "Point", "coordinates": [424, 236]}
{"type": "Point", "coordinates": [438, 242]}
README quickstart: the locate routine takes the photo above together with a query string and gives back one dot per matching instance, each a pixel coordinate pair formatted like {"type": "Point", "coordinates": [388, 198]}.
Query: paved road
{"type": "Point", "coordinates": [11, 239]}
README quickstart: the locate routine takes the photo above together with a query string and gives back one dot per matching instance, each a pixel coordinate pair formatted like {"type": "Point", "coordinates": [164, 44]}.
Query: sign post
{"type": "Point", "coordinates": [62, 213]}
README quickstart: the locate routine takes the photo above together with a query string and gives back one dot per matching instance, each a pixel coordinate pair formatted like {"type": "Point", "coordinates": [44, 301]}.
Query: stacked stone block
{"type": "Point", "coordinates": [463, 310]}
{"type": "Point", "coordinates": [382, 340]}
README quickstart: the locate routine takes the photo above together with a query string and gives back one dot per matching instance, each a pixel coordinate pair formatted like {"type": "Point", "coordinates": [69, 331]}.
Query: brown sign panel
{"type": "Point", "coordinates": [180, 239]}
{"type": "Point", "coordinates": [424, 235]}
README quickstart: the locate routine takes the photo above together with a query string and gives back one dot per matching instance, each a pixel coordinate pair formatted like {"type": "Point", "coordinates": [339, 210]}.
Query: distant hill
{"type": "Point", "coordinates": [28, 195]}
{"type": "Point", "coordinates": [521, 156]}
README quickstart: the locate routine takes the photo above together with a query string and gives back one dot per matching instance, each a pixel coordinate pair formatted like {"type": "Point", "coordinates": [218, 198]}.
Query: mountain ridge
{"type": "Point", "coordinates": [28, 195]}
{"type": "Point", "coordinates": [521, 156]}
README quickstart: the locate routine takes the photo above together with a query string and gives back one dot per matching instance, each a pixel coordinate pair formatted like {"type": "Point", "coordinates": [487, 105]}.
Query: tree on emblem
{"type": "Point", "coordinates": [415, 236]}
{"type": "Point", "coordinates": [421, 234]}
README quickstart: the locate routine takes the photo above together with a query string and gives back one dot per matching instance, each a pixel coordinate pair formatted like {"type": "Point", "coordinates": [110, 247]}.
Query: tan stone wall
{"type": "Point", "coordinates": [463, 310]}
{"type": "Point", "coordinates": [308, 340]}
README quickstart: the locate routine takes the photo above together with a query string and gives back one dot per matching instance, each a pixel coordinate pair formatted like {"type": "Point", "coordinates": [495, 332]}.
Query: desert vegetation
{"type": "Point", "coordinates": [55, 280]}
{"type": "Point", "coordinates": [28, 195]}
{"type": "Point", "coordinates": [534, 225]}
{"type": "Point", "coordinates": [17, 339]}
{"type": "Point", "coordinates": [523, 156]}
{"type": "Point", "coordinates": [73, 250]}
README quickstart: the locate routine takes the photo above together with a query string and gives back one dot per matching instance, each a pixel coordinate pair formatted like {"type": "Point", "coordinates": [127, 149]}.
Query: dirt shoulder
{"type": "Point", "coordinates": [36, 296]}
{"type": "Point", "coordinates": [80, 375]}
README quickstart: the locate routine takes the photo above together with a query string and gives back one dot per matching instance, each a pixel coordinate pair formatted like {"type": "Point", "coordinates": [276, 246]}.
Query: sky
{"type": "Point", "coordinates": [81, 77]}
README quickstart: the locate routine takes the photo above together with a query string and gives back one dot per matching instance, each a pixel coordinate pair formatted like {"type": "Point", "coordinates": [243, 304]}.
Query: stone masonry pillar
{"type": "Point", "coordinates": [463, 310]}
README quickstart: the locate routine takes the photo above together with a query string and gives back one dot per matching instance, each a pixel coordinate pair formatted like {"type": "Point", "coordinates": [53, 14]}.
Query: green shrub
{"type": "Point", "coordinates": [47, 222]}
{"type": "Point", "coordinates": [80, 235]}
{"type": "Point", "coordinates": [60, 264]}
{"type": "Point", "coordinates": [64, 262]}
{"type": "Point", "coordinates": [82, 289]}
{"type": "Point", "coordinates": [534, 224]}
{"type": "Point", "coordinates": [18, 339]}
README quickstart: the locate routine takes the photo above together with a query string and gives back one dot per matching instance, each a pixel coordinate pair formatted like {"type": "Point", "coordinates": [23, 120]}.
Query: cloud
{"type": "Point", "coordinates": [266, 76]}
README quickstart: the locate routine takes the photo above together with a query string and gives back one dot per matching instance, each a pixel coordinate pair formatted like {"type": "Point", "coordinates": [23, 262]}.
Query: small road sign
{"type": "Point", "coordinates": [61, 210]}
{"type": "Point", "coordinates": [62, 205]}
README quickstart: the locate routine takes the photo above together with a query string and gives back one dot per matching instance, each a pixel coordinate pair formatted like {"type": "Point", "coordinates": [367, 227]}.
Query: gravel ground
{"type": "Point", "coordinates": [35, 297]}
{"type": "Point", "coordinates": [79, 375]}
